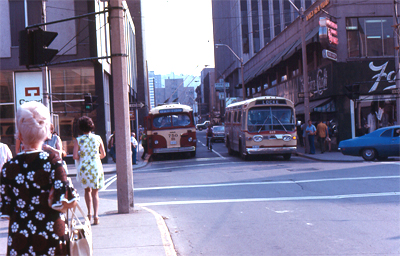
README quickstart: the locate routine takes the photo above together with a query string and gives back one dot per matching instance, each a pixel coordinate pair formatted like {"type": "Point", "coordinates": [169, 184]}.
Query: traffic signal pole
{"type": "Point", "coordinates": [121, 108]}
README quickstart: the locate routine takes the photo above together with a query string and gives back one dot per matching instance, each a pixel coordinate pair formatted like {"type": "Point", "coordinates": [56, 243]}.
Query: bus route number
{"type": "Point", "coordinates": [172, 136]}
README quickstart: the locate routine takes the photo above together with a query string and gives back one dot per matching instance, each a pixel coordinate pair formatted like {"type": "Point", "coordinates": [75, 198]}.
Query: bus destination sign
{"type": "Point", "coordinates": [270, 102]}
{"type": "Point", "coordinates": [171, 110]}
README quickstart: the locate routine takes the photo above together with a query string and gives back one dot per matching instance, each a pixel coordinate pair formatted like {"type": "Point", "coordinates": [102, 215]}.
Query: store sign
{"type": "Point", "coordinates": [317, 9]}
{"type": "Point", "coordinates": [318, 81]}
{"type": "Point", "coordinates": [326, 54]}
{"type": "Point", "coordinates": [28, 87]}
{"type": "Point", "coordinates": [390, 77]}
{"type": "Point", "coordinates": [328, 33]}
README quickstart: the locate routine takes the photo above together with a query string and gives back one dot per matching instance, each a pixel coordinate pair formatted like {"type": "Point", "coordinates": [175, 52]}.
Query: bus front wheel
{"type": "Point", "coordinates": [242, 154]}
{"type": "Point", "coordinates": [287, 156]}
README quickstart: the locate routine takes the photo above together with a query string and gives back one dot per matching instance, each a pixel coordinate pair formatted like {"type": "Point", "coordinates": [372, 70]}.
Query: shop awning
{"type": "Point", "coordinates": [283, 55]}
{"type": "Point", "coordinates": [313, 104]}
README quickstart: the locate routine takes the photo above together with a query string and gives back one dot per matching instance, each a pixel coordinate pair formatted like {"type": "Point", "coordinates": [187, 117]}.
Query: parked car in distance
{"type": "Point", "coordinates": [379, 144]}
{"type": "Point", "coordinates": [202, 126]}
{"type": "Point", "coordinates": [218, 133]}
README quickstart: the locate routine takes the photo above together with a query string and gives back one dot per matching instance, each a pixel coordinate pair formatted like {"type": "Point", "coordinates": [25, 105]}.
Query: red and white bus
{"type": "Point", "coordinates": [262, 125]}
{"type": "Point", "coordinates": [170, 129]}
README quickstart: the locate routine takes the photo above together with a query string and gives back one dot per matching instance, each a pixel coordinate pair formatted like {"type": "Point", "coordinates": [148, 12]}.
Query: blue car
{"type": "Point", "coordinates": [379, 144]}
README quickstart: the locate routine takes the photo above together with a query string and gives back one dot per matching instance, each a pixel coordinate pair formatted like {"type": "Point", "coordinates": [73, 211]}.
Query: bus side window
{"type": "Point", "coordinates": [239, 116]}
{"type": "Point", "coordinates": [235, 117]}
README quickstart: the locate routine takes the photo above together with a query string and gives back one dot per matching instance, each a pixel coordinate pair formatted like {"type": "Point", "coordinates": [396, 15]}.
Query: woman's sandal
{"type": "Point", "coordinates": [96, 221]}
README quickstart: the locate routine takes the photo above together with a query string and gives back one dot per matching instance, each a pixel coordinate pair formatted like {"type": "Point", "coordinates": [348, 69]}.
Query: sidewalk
{"type": "Point", "coordinates": [142, 232]}
{"type": "Point", "coordinates": [333, 156]}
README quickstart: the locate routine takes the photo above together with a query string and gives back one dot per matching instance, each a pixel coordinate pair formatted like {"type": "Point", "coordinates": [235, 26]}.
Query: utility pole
{"type": "Point", "coordinates": [121, 108]}
{"type": "Point", "coordinates": [305, 69]}
{"type": "Point", "coordinates": [396, 59]}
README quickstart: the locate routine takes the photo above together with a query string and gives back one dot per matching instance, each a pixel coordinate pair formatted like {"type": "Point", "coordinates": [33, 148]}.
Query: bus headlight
{"type": "Point", "coordinates": [156, 142]}
{"type": "Point", "coordinates": [257, 138]}
{"type": "Point", "coordinates": [190, 139]}
{"type": "Point", "coordinates": [287, 138]}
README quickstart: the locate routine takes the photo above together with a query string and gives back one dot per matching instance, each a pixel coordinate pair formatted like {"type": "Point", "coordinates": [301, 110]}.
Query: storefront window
{"type": "Point", "coordinates": [369, 37]}
{"type": "Point", "coordinates": [7, 124]}
{"type": "Point", "coordinates": [6, 87]}
{"type": "Point", "coordinates": [7, 120]}
{"type": "Point", "coordinates": [68, 88]}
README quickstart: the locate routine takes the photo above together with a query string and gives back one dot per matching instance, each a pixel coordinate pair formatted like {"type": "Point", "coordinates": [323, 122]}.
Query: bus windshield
{"type": "Point", "coordinates": [270, 118]}
{"type": "Point", "coordinates": [174, 120]}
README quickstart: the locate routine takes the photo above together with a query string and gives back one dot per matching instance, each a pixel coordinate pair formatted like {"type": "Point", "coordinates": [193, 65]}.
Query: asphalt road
{"type": "Point", "coordinates": [216, 204]}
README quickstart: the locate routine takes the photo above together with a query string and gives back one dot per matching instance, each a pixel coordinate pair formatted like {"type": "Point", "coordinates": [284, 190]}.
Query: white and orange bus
{"type": "Point", "coordinates": [170, 129]}
{"type": "Point", "coordinates": [262, 125]}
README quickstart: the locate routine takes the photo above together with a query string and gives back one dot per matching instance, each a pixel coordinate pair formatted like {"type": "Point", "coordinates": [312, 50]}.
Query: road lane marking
{"type": "Point", "coordinates": [108, 182]}
{"type": "Point", "coordinates": [164, 231]}
{"type": "Point", "coordinates": [260, 183]}
{"type": "Point", "coordinates": [212, 150]}
{"type": "Point", "coordinates": [246, 200]}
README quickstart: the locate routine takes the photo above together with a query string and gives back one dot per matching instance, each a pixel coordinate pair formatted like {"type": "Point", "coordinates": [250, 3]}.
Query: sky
{"type": "Point", "coordinates": [178, 35]}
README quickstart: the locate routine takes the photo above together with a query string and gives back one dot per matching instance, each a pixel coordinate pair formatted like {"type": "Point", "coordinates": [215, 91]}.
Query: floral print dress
{"type": "Point", "coordinates": [90, 169]}
{"type": "Point", "coordinates": [35, 228]}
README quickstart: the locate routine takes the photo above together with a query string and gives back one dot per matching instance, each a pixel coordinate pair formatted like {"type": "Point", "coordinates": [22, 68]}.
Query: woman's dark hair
{"type": "Point", "coordinates": [85, 124]}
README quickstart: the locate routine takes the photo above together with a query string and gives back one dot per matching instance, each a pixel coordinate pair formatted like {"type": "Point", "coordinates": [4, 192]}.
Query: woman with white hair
{"type": "Point", "coordinates": [35, 191]}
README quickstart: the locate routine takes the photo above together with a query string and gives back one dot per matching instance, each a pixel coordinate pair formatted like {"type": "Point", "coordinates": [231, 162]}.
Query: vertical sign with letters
{"type": "Point", "coordinates": [28, 87]}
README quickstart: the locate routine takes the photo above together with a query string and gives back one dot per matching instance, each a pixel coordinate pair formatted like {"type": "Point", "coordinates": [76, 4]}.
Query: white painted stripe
{"type": "Point", "coordinates": [110, 181]}
{"type": "Point", "coordinates": [218, 201]}
{"type": "Point", "coordinates": [260, 183]}
{"type": "Point", "coordinates": [212, 150]}
{"type": "Point", "coordinates": [165, 235]}
{"type": "Point", "coordinates": [266, 183]}
{"type": "Point", "coordinates": [218, 154]}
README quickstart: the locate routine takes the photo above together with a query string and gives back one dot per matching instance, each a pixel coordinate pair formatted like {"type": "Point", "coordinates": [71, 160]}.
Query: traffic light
{"type": "Point", "coordinates": [90, 104]}
{"type": "Point", "coordinates": [41, 40]}
{"type": "Point", "coordinates": [33, 47]}
{"type": "Point", "coordinates": [25, 47]}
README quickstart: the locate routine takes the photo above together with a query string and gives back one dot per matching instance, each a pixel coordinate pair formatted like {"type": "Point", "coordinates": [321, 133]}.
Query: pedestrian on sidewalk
{"type": "Point", "coordinates": [322, 131]}
{"type": "Point", "coordinates": [311, 131]}
{"type": "Point", "coordinates": [144, 144]}
{"type": "Point", "coordinates": [35, 189]}
{"type": "Point", "coordinates": [329, 136]}
{"type": "Point", "coordinates": [111, 146]}
{"type": "Point", "coordinates": [5, 154]}
{"type": "Point", "coordinates": [90, 170]}
{"type": "Point", "coordinates": [134, 145]}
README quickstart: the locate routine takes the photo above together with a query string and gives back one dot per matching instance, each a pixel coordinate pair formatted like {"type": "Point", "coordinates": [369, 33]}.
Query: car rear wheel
{"type": "Point", "coordinates": [200, 129]}
{"type": "Point", "coordinates": [369, 154]}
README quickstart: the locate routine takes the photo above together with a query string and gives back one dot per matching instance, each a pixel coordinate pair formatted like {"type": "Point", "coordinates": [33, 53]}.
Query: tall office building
{"type": "Point", "coordinates": [246, 26]}
{"type": "Point", "coordinates": [350, 57]}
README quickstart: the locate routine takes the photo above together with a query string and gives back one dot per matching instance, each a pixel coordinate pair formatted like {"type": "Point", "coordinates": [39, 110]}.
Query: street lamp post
{"type": "Point", "coordinates": [241, 67]}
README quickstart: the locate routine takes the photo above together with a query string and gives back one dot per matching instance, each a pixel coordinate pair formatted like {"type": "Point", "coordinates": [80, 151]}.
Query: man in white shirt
{"type": "Point", "coordinates": [134, 145]}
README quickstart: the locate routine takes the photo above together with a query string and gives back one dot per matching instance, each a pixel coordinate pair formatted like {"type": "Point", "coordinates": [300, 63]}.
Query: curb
{"type": "Point", "coordinates": [146, 161]}
{"type": "Point", "coordinates": [326, 160]}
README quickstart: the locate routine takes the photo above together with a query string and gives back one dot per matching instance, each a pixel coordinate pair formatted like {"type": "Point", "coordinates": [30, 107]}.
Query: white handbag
{"type": "Point", "coordinates": [80, 233]}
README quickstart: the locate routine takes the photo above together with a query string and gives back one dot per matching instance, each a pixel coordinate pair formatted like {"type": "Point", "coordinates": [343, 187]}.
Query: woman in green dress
{"type": "Point", "coordinates": [89, 150]}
